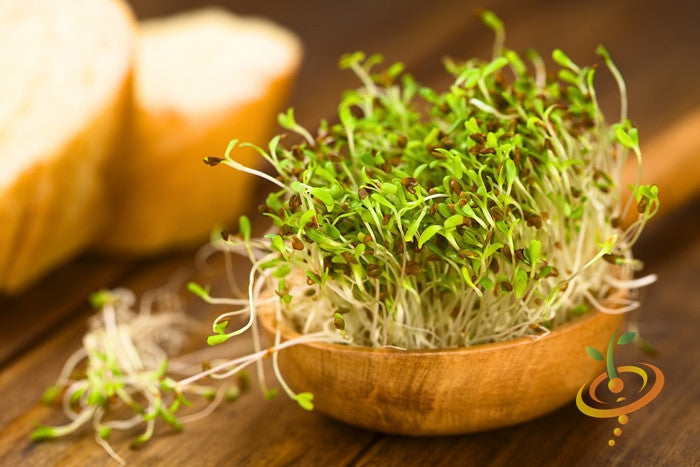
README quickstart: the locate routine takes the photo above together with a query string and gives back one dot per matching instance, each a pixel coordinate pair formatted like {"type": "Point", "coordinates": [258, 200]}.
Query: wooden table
{"type": "Point", "coordinates": [657, 48]}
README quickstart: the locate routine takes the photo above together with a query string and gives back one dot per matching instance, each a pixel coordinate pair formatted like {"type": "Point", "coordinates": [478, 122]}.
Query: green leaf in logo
{"type": "Point", "coordinates": [594, 353]}
{"type": "Point", "coordinates": [626, 338]}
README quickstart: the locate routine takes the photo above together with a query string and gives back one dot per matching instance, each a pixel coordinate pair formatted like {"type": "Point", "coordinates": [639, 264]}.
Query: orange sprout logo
{"type": "Point", "coordinates": [628, 388]}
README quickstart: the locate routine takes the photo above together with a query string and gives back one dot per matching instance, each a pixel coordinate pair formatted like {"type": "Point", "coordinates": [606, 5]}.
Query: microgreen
{"type": "Point", "coordinates": [124, 363]}
{"type": "Point", "coordinates": [432, 218]}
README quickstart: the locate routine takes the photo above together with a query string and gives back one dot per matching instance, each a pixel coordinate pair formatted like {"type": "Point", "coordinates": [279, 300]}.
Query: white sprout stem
{"type": "Point", "coordinates": [236, 369]}
{"type": "Point", "coordinates": [243, 310]}
{"type": "Point", "coordinates": [72, 389]}
{"type": "Point", "coordinates": [208, 409]}
{"type": "Point", "coordinates": [128, 346]}
{"type": "Point", "coordinates": [124, 424]}
{"type": "Point", "coordinates": [631, 283]}
{"type": "Point", "coordinates": [540, 71]}
{"type": "Point", "coordinates": [150, 425]}
{"type": "Point", "coordinates": [276, 368]}
{"type": "Point", "coordinates": [108, 448]}
{"type": "Point", "coordinates": [630, 198]}
{"type": "Point", "coordinates": [251, 299]}
{"type": "Point", "coordinates": [82, 418]}
{"type": "Point", "coordinates": [623, 89]}
{"type": "Point", "coordinates": [435, 196]}
{"type": "Point", "coordinates": [499, 42]}
{"type": "Point", "coordinates": [103, 443]}
{"type": "Point", "coordinates": [230, 278]}
{"type": "Point", "coordinates": [304, 339]}
{"type": "Point", "coordinates": [225, 301]}
{"type": "Point", "coordinates": [590, 263]}
{"type": "Point", "coordinates": [630, 305]}
{"type": "Point", "coordinates": [481, 105]}
{"type": "Point", "coordinates": [258, 173]}
{"type": "Point", "coordinates": [579, 243]}
{"type": "Point", "coordinates": [129, 358]}
{"type": "Point", "coordinates": [484, 91]}
{"type": "Point", "coordinates": [256, 341]}
{"type": "Point", "coordinates": [304, 133]}
{"type": "Point", "coordinates": [70, 365]}
{"type": "Point", "coordinates": [351, 140]}
{"type": "Point", "coordinates": [365, 78]}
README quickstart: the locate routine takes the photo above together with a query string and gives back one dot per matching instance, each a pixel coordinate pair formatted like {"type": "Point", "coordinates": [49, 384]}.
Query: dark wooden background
{"type": "Point", "coordinates": [657, 47]}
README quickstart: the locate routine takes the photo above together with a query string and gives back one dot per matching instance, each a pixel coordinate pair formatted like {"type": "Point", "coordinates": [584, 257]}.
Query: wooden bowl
{"type": "Point", "coordinates": [451, 391]}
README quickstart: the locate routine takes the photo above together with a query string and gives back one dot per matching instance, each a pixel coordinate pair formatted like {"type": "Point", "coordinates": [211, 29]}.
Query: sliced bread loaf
{"type": "Point", "coordinates": [201, 79]}
{"type": "Point", "coordinates": [65, 70]}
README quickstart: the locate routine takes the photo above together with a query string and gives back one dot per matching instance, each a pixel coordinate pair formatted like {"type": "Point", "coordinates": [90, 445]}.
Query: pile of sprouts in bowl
{"type": "Point", "coordinates": [420, 219]}
{"type": "Point", "coordinates": [432, 219]}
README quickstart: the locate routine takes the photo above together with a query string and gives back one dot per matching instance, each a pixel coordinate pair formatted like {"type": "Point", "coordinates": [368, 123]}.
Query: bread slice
{"type": "Point", "coordinates": [65, 67]}
{"type": "Point", "coordinates": [202, 78]}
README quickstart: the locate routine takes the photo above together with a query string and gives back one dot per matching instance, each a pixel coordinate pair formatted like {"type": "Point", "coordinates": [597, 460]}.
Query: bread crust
{"type": "Point", "coordinates": [163, 196]}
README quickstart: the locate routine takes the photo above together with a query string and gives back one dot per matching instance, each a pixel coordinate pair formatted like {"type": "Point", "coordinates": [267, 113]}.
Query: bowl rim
{"type": "Point", "coordinates": [267, 318]}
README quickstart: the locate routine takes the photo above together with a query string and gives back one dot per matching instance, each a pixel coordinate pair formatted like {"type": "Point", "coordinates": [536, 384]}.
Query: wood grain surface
{"type": "Point", "coordinates": [655, 44]}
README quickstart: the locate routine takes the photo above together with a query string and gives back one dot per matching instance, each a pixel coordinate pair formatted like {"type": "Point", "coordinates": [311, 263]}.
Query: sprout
{"type": "Point", "coordinates": [430, 219]}
{"type": "Point", "coordinates": [124, 360]}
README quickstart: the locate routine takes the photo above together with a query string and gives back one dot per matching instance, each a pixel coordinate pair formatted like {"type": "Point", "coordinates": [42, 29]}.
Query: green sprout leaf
{"type": "Point", "coordinates": [492, 21]}
{"type": "Point", "coordinates": [332, 232]}
{"type": "Point", "coordinates": [495, 65]}
{"type": "Point", "coordinates": [42, 433]}
{"type": "Point", "coordinates": [220, 326]}
{"type": "Point", "coordinates": [286, 120]}
{"type": "Point", "coordinates": [453, 221]}
{"type": "Point", "coordinates": [51, 394]}
{"type": "Point", "coordinates": [96, 399]}
{"type": "Point", "coordinates": [563, 60]}
{"type": "Point", "coordinates": [100, 298]}
{"type": "Point", "coordinates": [198, 290]}
{"type": "Point", "coordinates": [351, 59]}
{"type": "Point", "coordinates": [170, 418]}
{"type": "Point", "coordinates": [278, 243]}
{"type": "Point", "coordinates": [244, 227]}
{"type": "Point", "coordinates": [511, 172]}
{"type": "Point", "coordinates": [314, 277]}
{"type": "Point", "coordinates": [339, 321]}
{"type": "Point", "coordinates": [325, 196]}
{"type": "Point", "coordinates": [628, 139]}
{"type": "Point", "coordinates": [282, 270]}
{"type": "Point", "coordinates": [140, 440]}
{"type": "Point", "coordinates": [487, 283]}
{"type": "Point", "coordinates": [609, 244]}
{"type": "Point", "coordinates": [580, 309]}
{"type": "Point", "coordinates": [427, 234]}
{"type": "Point", "coordinates": [306, 217]}
{"type": "Point", "coordinates": [318, 237]}
{"type": "Point", "coordinates": [521, 282]}
{"type": "Point", "coordinates": [305, 400]}
{"type": "Point", "coordinates": [232, 394]}
{"type": "Point", "coordinates": [217, 339]}
{"type": "Point", "coordinates": [104, 432]}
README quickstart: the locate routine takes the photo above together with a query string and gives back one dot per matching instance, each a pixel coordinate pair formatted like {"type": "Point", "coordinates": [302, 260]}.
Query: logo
{"type": "Point", "coordinates": [621, 390]}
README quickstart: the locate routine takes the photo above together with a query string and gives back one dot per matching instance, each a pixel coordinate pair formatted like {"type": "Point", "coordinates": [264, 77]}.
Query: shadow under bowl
{"type": "Point", "coordinates": [447, 391]}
